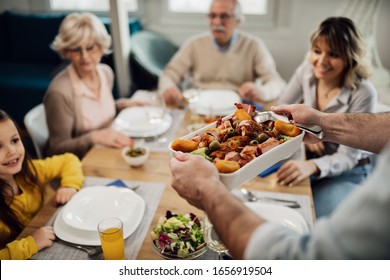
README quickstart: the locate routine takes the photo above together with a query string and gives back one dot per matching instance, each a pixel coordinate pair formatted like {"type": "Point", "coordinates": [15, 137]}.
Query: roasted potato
{"type": "Point", "coordinates": [227, 166]}
{"type": "Point", "coordinates": [184, 145]}
{"type": "Point", "coordinates": [287, 128]}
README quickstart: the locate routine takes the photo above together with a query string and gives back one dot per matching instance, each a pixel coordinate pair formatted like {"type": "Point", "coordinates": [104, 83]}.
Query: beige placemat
{"type": "Point", "coordinates": [151, 192]}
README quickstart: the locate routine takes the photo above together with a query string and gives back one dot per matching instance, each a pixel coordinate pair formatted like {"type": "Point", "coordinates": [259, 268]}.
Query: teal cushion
{"type": "Point", "coordinates": [22, 86]}
{"type": "Point", "coordinates": [134, 24]}
{"type": "Point", "coordinates": [31, 35]}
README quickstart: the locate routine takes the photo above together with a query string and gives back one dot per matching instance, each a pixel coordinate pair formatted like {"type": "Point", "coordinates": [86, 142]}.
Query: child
{"type": "Point", "coordinates": [22, 185]}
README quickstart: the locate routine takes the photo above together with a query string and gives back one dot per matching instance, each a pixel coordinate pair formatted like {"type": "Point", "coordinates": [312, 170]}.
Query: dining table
{"type": "Point", "coordinates": [106, 162]}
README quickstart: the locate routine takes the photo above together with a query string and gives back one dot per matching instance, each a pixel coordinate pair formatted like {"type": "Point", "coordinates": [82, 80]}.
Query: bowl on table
{"type": "Point", "coordinates": [178, 236]}
{"type": "Point", "coordinates": [135, 156]}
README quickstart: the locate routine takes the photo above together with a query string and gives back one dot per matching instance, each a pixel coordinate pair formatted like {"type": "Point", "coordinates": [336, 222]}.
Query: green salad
{"type": "Point", "coordinates": [178, 235]}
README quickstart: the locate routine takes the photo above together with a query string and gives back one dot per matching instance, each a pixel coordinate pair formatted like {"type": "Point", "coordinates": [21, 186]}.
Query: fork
{"type": "Point", "coordinates": [253, 198]}
{"type": "Point", "coordinates": [90, 250]}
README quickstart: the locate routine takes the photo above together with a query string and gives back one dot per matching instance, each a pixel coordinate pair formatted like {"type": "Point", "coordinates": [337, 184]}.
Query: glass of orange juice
{"type": "Point", "coordinates": [111, 236]}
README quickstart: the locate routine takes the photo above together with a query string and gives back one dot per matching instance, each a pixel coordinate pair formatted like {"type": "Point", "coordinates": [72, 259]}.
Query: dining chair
{"type": "Point", "coordinates": [35, 122]}
{"type": "Point", "coordinates": [150, 52]}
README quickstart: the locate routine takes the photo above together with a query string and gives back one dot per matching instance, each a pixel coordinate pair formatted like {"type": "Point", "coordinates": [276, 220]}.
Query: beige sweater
{"type": "Point", "coordinates": [247, 60]}
{"type": "Point", "coordinates": [64, 116]}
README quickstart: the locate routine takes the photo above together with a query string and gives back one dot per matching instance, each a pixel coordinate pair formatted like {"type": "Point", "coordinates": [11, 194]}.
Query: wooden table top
{"type": "Point", "coordinates": [107, 162]}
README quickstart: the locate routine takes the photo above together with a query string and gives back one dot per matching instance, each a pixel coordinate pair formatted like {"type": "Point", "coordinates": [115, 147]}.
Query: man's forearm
{"type": "Point", "coordinates": [233, 222]}
{"type": "Point", "coordinates": [364, 131]}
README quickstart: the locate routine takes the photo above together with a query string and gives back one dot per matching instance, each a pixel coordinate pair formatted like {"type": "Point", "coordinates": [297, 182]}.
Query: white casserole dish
{"type": "Point", "coordinates": [256, 166]}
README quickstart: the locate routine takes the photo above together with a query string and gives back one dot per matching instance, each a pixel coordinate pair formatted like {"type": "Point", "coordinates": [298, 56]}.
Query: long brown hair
{"type": "Point", "coordinates": [27, 174]}
{"type": "Point", "coordinates": [344, 38]}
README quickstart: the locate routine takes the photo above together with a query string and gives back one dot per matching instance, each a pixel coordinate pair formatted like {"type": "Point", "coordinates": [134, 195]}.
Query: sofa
{"type": "Point", "coordinates": [27, 64]}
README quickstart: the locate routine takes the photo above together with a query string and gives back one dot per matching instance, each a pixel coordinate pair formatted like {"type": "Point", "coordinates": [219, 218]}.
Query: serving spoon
{"type": "Point", "coordinates": [315, 130]}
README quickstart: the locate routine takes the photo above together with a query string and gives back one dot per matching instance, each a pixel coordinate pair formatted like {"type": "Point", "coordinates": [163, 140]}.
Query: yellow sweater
{"type": "Point", "coordinates": [67, 168]}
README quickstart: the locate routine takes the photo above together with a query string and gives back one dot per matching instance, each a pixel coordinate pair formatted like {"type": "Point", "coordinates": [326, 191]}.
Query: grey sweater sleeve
{"type": "Point", "coordinates": [358, 229]}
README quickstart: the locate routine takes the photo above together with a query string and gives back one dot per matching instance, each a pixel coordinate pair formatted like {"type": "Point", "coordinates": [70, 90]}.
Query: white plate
{"type": "Point", "coordinates": [256, 166]}
{"type": "Point", "coordinates": [278, 214]}
{"type": "Point", "coordinates": [134, 122]}
{"type": "Point", "coordinates": [69, 230]}
{"type": "Point", "coordinates": [216, 102]}
{"type": "Point", "coordinates": [91, 205]}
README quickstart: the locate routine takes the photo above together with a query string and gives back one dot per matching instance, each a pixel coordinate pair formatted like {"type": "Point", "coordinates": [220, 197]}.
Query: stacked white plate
{"type": "Point", "coordinates": [134, 122]}
{"type": "Point", "coordinates": [216, 102]}
{"type": "Point", "coordinates": [280, 215]}
{"type": "Point", "coordinates": [78, 220]}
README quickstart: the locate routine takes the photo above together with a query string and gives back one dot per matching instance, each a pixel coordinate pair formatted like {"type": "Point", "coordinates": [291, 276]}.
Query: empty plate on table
{"type": "Point", "coordinates": [134, 122]}
{"type": "Point", "coordinates": [92, 204]}
{"type": "Point", "coordinates": [78, 219]}
{"type": "Point", "coordinates": [281, 215]}
{"type": "Point", "coordinates": [84, 237]}
{"type": "Point", "coordinates": [216, 102]}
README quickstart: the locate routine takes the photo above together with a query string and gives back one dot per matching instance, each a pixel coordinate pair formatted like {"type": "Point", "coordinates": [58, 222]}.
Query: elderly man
{"type": "Point", "coordinates": [358, 229]}
{"type": "Point", "coordinates": [224, 58]}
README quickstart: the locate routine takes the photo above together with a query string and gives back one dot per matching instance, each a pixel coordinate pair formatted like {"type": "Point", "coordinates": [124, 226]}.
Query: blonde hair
{"type": "Point", "coordinates": [343, 38]}
{"type": "Point", "coordinates": [78, 27]}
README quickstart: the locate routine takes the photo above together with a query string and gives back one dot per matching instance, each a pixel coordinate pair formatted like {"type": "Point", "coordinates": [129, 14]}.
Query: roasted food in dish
{"type": "Point", "coordinates": [237, 139]}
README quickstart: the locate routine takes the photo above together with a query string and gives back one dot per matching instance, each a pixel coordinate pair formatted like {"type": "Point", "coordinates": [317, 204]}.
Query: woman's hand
{"type": "Point", "coordinates": [317, 148]}
{"type": "Point", "coordinates": [294, 171]}
{"type": "Point", "coordinates": [64, 194]}
{"type": "Point", "coordinates": [111, 137]}
{"type": "Point", "coordinates": [127, 102]}
{"type": "Point", "coordinates": [44, 237]}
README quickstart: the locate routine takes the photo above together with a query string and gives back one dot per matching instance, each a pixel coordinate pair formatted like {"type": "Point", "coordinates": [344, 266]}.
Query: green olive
{"type": "Point", "coordinates": [231, 132]}
{"type": "Point", "coordinates": [254, 142]}
{"type": "Point", "coordinates": [262, 137]}
{"type": "Point", "coordinates": [214, 145]}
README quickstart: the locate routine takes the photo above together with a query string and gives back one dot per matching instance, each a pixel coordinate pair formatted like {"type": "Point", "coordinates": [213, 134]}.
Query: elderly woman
{"type": "Point", "coordinates": [79, 103]}
{"type": "Point", "coordinates": [332, 80]}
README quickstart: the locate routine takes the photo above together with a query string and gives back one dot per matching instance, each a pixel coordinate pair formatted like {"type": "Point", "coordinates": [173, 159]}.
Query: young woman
{"type": "Point", "coordinates": [79, 100]}
{"type": "Point", "coordinates": [22, 188]}
{"type": "Point", "coordinates": [332, 79]}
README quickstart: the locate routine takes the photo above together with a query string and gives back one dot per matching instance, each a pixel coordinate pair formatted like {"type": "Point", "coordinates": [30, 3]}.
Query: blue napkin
{"type": "Point", "coordinates": [117, 183]}
{"type": "Point", "coordinates": [258, 106]}
{"type": "Point", "coordinates": [271, 170]}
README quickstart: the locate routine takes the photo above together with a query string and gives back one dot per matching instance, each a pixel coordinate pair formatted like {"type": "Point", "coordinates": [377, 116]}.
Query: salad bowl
{"type": "Point", "coordinates": [178, 236]}
{"type": "Point", "coordinates": [172, 256]}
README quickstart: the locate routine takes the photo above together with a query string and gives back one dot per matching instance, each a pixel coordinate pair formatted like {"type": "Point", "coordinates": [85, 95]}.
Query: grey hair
{"type": "Point", "coordinates": [238, 11]}
{"type": "Point", "coordinates": [78, 27]}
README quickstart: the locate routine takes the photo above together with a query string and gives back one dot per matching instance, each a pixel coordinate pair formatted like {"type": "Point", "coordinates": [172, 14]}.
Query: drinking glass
{"type": "Point", "coordinates": [212, 239]}
{"type": "Point", "coordinates": [156, 110]}
{"type": "Point", "coordinates": [111, 236]}
{"type": "Point", "coordinates": [191, 95]}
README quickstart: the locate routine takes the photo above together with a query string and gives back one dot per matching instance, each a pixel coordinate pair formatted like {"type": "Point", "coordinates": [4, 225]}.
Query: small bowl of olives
{"type": "Point", "coordinates": [135, 156]}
